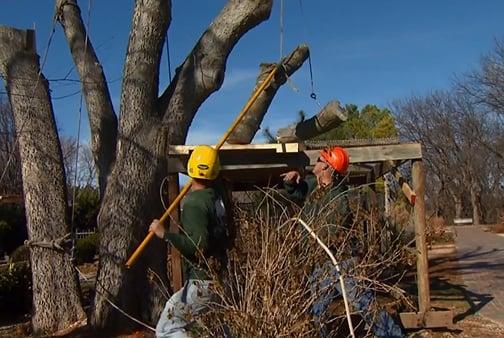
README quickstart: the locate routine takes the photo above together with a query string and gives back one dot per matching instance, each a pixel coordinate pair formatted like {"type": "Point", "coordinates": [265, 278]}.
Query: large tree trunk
{"type": "Point", "coordinates": [250, 124]}
{"type": "Point", "coordinates": [56, 298]}
{"type": "Point", "coordinates": [140, 161]}
{"type": "Point", "coordinates": [131, 199]}
{"type": "Point", "coordinates": [102, 119]}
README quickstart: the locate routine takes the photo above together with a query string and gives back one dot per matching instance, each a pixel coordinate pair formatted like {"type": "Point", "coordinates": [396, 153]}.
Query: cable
{"type": "Point", "coordinates": [168, 56]}
{"type": "Point", "coordinates": [281, 28]}
{"type": "Point", "coordinates": [72, 222]}
{"type": "Point", "coordinates": [313, 95]}
{"type": "Point", "coordinates": [18, 132]}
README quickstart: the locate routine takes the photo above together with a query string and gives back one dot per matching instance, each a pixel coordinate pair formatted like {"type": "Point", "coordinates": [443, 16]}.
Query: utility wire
{"type": "Point", "coordinates": [281, 29]}
{"type": "Point", "coordinates": [168, 56]}
{"type": "Point", "coordinates": [72, 222]}
{"type": "Point", "coordinates": [18, 132]}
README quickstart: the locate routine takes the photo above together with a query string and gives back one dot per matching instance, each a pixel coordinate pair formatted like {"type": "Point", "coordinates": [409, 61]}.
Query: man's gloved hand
{"type": "Point", "coordinates": [291, 176]}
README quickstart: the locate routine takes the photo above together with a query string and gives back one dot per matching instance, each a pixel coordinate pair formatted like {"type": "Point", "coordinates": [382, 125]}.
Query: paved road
{"type": "Point", "coordinates": [481, 260]}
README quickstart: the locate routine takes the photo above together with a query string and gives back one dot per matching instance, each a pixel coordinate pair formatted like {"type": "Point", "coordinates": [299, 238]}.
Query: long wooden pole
{"type": "Point", "coordinates": [421, 245]}
{"type": "Point", "coordinates": [186, 188]}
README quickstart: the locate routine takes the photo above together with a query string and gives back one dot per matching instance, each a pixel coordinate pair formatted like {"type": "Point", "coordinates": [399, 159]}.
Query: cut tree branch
{"type": "Point", "coordinates": [328, 118]}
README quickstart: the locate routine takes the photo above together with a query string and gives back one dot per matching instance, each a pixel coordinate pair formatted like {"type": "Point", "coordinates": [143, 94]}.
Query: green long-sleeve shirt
{"type": "Point", "coordinates": [329, 201]}
{"type": "Point", "coordinates": [203, 232]}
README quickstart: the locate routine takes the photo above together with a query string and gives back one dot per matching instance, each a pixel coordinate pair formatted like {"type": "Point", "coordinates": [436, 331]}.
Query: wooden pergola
{"type": "Point", "coordinates": [252, 165]}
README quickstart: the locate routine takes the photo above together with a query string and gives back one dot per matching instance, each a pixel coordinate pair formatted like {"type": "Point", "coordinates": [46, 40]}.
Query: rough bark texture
{"type": "Point", "coordinates": [328, 118]}
{"type": "Point", "coordinates": [56, 298]}
{"type": "Point", "coordinates": [131, 199]}
{"type": "Point", "coordinates": [251, 123]}
{"type": "Point", "coordinates": [202, 72]}
{"type": "Point", "coordinates": [102, 119]}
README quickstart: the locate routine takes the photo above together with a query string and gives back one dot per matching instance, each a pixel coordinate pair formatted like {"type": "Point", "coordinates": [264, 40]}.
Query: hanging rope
{"type": "Point", "coordinates": [281, 28]}
{"type": "Point", "coordinates": [76, 167]}
{"type": "Point", "coordinates": [313, 95]}
{"type": "Point", "coordinates": [168, 56]}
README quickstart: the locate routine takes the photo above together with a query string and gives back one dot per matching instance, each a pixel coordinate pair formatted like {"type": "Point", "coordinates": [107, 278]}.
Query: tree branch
{"type": "Point", "coordinates": [202, 72]}
{"type": "Point", "coordinates": [102, 119]}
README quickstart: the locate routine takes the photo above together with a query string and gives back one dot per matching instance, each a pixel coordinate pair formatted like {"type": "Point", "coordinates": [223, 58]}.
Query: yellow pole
{"type": "Point", "coordinates": [186, 188]}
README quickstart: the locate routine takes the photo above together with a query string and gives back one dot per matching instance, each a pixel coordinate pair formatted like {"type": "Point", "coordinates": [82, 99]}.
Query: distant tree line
{"type": "Point", "coordinates": [12, 217]}
{"type": "Point", "coordinates": [462, 133]}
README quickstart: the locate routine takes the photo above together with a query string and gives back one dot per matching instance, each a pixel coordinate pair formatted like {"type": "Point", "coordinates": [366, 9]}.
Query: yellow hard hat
{"type": "Point", "coordinates": [204, 163]}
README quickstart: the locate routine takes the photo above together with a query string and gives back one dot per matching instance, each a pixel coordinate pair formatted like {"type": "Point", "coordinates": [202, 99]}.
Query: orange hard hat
{"type": "Point", "coordinates": [337, 158]}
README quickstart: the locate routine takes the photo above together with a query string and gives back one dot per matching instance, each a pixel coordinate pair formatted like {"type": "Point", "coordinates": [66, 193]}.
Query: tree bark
{"type": "Point", "coordinates": [56, 293]}
{"type": "Point", "coordinates": [251, 123]}
{"type": "Point", "coordinates": [102, 119]}
{"type": "Point", "coordinates": [147, 124]}
{"type": "Point", "coordinates": [328, 118]}
{"type": "Point", "coordinates": [202, 72]}
{"type": "Point", "coordinates": [131, 199]}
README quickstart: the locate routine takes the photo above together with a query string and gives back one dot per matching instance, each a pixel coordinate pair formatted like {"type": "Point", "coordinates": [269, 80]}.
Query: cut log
{"type": "Point", "coordinates": [328, 118]}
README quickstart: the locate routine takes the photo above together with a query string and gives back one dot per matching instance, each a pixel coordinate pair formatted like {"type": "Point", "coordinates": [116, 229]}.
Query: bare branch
{"type": "Point", "coordinates": [202, 72]}
{"type": "Point", "coordinates": [102, 119]}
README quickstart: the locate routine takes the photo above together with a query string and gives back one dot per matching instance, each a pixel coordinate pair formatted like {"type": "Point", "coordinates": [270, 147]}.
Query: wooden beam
{"type": "Point", "coordinates": [430, 319]}
{"type": "Point", "coordinates": [14, 199]}
{"type": "Point", "coordinates": [176, 279]}
{"type": "Point", "coordinates": [174, 150]}
{"type": "Point", "coordinates": [421, 245]}
{"type": "Point", "coordinates": [378, 153]}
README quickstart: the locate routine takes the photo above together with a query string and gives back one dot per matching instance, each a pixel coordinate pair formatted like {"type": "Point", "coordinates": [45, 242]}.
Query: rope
{"type": "Point", "coordinates": [138, 321]}
{"type": "Point", "coordinates": [281, 28]}
{"type": "Point", "coordinates": [313, 95]}
{"type": "Point", "coordinates": [168, 56]}
{"type": "Point", "coordinates": [72, 222]}
{"type": "Point", "coordinates": [56, 244]}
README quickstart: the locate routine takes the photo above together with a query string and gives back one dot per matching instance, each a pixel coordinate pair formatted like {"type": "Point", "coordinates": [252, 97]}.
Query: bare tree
{"type": "Point", "coordinates": [80, 170]}
{"type": "Point", "coordinates": [10, 163]}
{"type": "Point", "coordinates": [486, 85]}
{"type": "Point", "coordinates": [459, 140]}
{"type": "Point", "coordinates": [56, 299]}
{"type": "Point", "coordinates": [130, 154]}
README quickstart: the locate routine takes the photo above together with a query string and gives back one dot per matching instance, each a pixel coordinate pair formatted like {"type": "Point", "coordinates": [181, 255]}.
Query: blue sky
{"type": "Point", "coordinates": [363, 52]}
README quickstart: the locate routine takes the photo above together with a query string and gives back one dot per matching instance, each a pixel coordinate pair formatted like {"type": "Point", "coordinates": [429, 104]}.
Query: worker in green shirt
{"type": "Point", "coordinates": [326, 189]}
{"type": "Point", "coordinates": [203, 238]}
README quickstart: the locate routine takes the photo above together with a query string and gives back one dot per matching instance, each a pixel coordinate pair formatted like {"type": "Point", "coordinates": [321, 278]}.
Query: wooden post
{"type": "Point", "coordinates": [177, 278]}
{"type": "Point", "coordinates": [421, 245]}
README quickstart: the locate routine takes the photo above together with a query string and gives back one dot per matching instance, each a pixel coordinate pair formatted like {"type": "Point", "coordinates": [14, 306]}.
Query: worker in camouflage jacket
{"type": "Point", "coordinates": [202, 240]}
{"type": "Point", "coordinates": [318, 192]}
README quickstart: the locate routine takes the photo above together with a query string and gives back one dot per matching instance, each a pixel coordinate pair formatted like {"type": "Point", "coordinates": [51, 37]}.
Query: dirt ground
{"type": "Point", "coordinates": [448, 292]}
